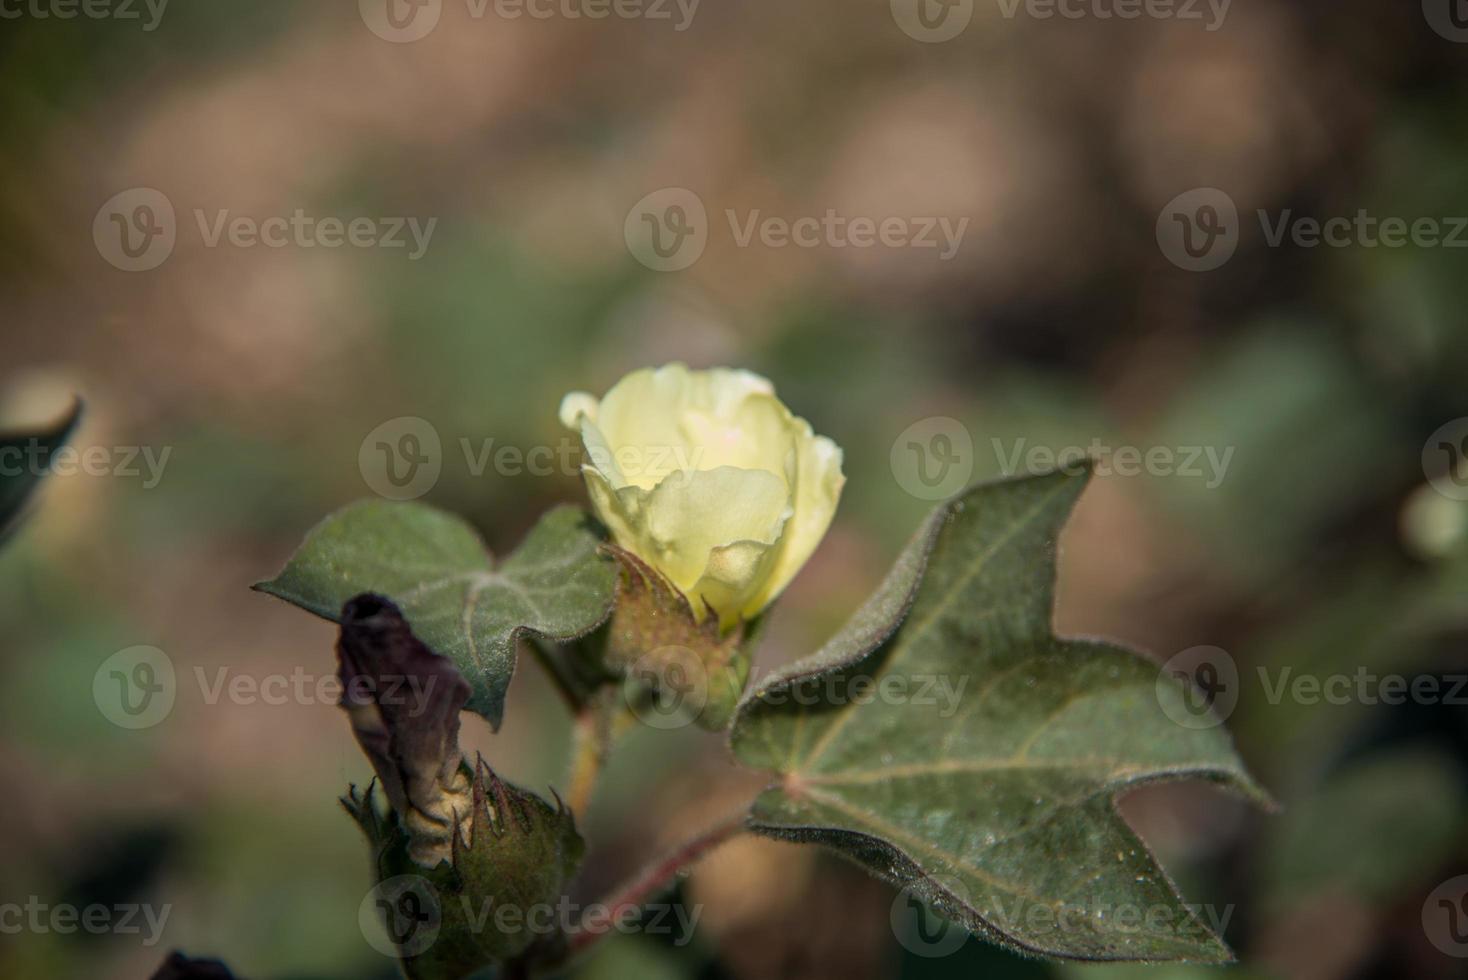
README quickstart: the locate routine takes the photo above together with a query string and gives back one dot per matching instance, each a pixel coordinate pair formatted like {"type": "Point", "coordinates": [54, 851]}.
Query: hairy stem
{"type": "Point", "coordinates": [590, 746]}
{"type": "Point", "coordinates": [653, 879]}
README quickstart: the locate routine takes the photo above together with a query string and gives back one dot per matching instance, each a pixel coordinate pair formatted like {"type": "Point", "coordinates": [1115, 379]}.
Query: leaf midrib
{"type": "Point", "coordinates": [907, 635]}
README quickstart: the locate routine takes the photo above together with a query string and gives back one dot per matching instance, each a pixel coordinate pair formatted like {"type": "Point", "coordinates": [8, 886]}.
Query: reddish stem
{"type": "Point", "coordinates": [654, 878]}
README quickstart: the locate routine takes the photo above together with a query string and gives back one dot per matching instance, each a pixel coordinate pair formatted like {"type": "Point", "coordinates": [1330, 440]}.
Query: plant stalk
{"type": "Point", "coordinates": [653, 879]}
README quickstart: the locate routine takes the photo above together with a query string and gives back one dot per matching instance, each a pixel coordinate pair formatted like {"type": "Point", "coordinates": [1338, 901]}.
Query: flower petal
{"type": "Point", "coordinates": [817, 492]}
{"type": "Point", "coordinates": [575, 405]}
{"type": "Point", "coordinates": [689, 515]}
{"type": "Point", "coordinates": [734, 578]}
{"type": "Point", "coordinates": [662, 421]}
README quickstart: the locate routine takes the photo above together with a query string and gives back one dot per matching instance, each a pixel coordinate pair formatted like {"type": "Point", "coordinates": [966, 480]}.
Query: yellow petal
{"type": "Point", "coordinates": [709, 478]}
{"type": "Point", "coordinates": [661, 421]}
{"type": "Point", "coordinates": [574, 406]}
{"type": "Point", "coordinates": [818, 486]}
{"type": "Point", "coordinates": [688, 516]}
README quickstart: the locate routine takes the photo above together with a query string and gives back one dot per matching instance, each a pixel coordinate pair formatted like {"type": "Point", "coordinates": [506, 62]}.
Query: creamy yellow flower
{"type": "Point", "coordinates": [709, 478]}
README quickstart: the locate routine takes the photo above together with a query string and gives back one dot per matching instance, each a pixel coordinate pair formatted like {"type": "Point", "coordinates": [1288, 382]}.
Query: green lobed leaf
{"type": "Point", "coordinates": [24, 460]}
{"type": "Point", "coordinates": [435, 568]}
{"type": "Point", "coordinates": [994, 801]}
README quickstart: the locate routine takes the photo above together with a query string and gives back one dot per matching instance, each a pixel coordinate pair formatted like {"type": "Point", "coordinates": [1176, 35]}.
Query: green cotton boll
{"type": "Point", "coordinates": [498, 897]}
{"type": "Point", "coordinates": [470, 870]}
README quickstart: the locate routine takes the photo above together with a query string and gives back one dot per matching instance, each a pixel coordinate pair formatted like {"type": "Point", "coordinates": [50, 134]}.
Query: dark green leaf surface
{"type": "Point", "coordinates": [997, 805]}
{"type": "Point", "coordinates": [24, 459]}
{"type": "Point", "coordinates": [435, 567]}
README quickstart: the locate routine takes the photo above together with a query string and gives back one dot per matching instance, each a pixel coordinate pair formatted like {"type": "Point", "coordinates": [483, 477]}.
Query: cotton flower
{"type": "Point", "coordinates": [709, 478]}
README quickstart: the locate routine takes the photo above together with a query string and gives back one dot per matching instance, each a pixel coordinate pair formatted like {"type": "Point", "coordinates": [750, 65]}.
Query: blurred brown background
{"type": "Point", "coordinates": [530, 143]}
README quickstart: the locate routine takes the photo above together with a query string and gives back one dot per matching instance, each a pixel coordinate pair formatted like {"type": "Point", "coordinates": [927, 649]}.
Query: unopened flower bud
{"type": "Point", "coordinates": [404, 702]}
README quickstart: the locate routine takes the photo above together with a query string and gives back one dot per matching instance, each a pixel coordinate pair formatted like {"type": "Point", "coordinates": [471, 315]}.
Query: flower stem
{"type": "Point", "coordinates": [653, 879]}
{"type": "Point", "coordinates": [590, 745]}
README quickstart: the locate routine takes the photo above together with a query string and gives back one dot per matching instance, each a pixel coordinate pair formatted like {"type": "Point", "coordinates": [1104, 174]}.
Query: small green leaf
{"type": "Point", "coordinates": [24, 459]}
{"type": "Point", "coordinates": [435, 567]}
{"type": "Point", "coordinates": [980, 766]}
